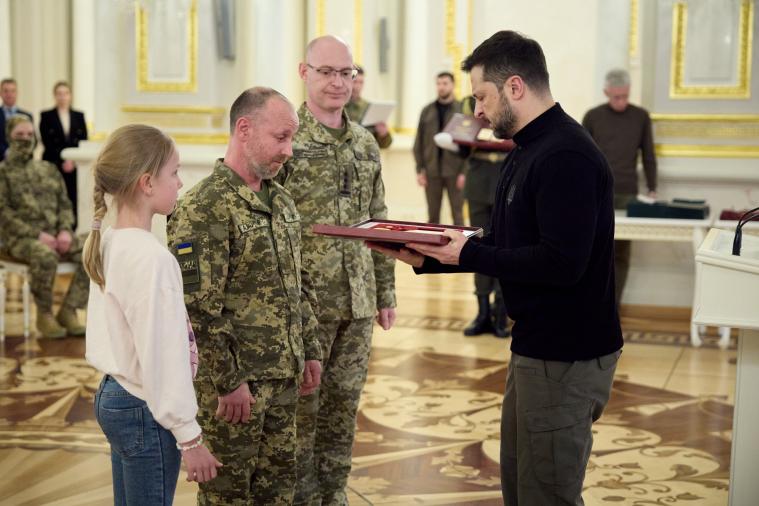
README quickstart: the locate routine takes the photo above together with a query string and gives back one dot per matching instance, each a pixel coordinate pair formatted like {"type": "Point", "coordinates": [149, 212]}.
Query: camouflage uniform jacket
{"type": "Point", "coordinates": [355, 110]}
{"type": "Point", "coordinates": [246, 295]}
{"type": "Point", "coordinates": [339, 182]}
{"type": "Point", "coordinates": [33, 199]}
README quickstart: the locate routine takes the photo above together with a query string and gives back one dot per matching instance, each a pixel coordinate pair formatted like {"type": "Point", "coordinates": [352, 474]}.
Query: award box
{"type": "Point", "coordinates": [396, 232]}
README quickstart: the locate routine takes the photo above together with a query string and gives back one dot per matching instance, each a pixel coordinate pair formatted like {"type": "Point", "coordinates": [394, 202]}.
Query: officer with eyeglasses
{"type": "Point", "coordinates": [335, 177]}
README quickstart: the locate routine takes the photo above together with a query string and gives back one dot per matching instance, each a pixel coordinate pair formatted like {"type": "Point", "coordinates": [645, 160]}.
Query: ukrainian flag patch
{"type": "Point", "coordinates": [184, 249]}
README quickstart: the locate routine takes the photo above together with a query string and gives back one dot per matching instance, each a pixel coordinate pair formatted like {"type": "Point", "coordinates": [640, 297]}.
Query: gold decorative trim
{"type": "Point", "coordinates": [744, 118]}
{"type": "Point", "coordinates": [179, 138]}
{"type": "Point", "coordinates": [177, 116]}
{"type": "Point", "coordinates": [633, 44]}
{"type": "Point", "coordinates": [707, 130]}
{"type": "Point", "coordinates": [707, 126]}
{"type": "Point", "coordinates": [358, 31]}
{"type": "Point", "coordinates": [706, 151]}
{"type": "Point", "coordinates": [678, 88]}
{"type": "Point", "coordinates": [184, 138]}
{"type": "Point", "coordinates": [403, 130]}
{"type": "Point", "coordinates": [321, 15]}
{"type": "Point", "coordinates": [451, 47]}
{"type": "Point", "coordinates": [469, 25]}
{"type": "Point", "coordinates": [142, 51]}
{"type": "Point", "coordinates": [174, 109]}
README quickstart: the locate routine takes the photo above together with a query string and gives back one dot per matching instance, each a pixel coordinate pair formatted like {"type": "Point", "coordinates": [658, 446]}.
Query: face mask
{"type": "Point", "coordinates": [20, 150]}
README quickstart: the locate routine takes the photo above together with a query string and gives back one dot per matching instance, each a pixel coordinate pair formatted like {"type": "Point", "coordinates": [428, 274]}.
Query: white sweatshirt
{"type": "Point", "coordinates": [137, 328]}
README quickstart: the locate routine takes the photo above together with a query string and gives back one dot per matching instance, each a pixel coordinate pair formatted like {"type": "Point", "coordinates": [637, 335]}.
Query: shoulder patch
{"type": "Point", "coordinates": [184, 249]}
{"type": "Point", "coordinates": [187, 257]}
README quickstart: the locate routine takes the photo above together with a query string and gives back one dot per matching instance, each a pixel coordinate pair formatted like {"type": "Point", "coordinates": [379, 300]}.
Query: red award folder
{"type": "Point", "coordinates": [471, 131]}
{"type": "Point", "coordinates": [396, 232]}
{"type": "Point", "coordinates": [463, 128]}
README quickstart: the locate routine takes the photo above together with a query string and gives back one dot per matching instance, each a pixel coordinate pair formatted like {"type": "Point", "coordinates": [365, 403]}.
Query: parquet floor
{"type": "Point", "coordinates": [427, 431]}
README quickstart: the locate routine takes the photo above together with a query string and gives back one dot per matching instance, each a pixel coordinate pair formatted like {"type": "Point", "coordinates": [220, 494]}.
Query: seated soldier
{"type": "Point", "coordinates": [36, 228]}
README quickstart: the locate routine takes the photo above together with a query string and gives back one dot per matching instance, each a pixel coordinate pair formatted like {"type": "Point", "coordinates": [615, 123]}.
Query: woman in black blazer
{"type": "Point", "coordinates": [62, 127]}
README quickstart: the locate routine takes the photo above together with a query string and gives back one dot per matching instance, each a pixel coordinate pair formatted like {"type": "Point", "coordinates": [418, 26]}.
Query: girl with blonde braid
{"type": "Point", "coordinates": [138, 332]}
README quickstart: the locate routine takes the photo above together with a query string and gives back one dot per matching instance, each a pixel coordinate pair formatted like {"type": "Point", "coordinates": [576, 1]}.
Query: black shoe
{"type": "Point", "coordinates": [482, 323]}
{"type": "Point", "coordinates": [501, 331]}
{"type": "Point", "coordinates": [500, 320]}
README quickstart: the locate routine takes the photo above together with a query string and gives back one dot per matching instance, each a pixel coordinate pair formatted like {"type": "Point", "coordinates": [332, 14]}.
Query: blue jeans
{"type": "Point", "coordinates": [144, 457]}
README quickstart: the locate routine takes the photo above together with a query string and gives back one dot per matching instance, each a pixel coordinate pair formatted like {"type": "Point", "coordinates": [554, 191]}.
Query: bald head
{"type": "Point", "coordinates": [327, 45]}
{"type": "Point", "coordinates": [251, 102]}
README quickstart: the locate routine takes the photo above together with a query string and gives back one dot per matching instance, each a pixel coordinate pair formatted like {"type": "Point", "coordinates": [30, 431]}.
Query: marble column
{"type": "Point", "coordinates": [613, 46]}
{"type": "Point", "coordinates": [6, 63]}
{"type": "Point", "coordinates": [39, 50]}
{"type": "Point", "coordinates": [416, 76]}
{"type": "Point", "coordinates": [83, 60]}
{"type": "Point", "coordinates": [273, 45]}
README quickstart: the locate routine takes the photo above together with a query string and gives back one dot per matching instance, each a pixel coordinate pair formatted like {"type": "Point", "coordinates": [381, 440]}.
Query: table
{"type": "Point", "coordinates": [670, 230]}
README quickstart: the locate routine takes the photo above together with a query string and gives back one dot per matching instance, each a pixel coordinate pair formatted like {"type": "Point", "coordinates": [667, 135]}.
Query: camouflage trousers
{"type": "Point", "coordinates": [327, 418]}
{"type": "Point", "coordinates": [42, 263]}
{"type": "Point", "coordinates": [258, 456]}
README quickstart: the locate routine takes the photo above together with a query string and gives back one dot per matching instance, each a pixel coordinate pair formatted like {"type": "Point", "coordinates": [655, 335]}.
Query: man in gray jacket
{"type": "Point", "coordinates": [436, 168]}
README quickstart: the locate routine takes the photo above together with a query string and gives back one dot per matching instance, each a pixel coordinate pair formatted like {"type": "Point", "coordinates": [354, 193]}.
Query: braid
{"type": "Point", "coordinates": [92, 259]}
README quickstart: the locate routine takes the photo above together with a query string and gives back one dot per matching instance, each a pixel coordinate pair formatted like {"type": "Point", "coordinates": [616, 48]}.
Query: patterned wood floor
{"type": "Point", "coordinates": [428, 427]}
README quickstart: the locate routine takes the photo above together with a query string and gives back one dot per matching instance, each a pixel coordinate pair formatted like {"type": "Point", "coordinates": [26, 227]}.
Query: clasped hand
{"type": "Point", "coordinates": [312, 377]}
{"type": "Point", "coordinates": [59, 244]}
{"type": "Point", "coordinates": [235, 406]}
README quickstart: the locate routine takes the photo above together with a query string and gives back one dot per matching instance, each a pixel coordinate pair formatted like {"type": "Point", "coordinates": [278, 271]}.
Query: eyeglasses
{"type": "Point", "coordinates": [348, 74]}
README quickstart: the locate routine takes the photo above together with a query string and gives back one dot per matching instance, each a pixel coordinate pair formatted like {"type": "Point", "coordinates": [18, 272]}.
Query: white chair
{"type": "Point", "coordinates": [10, 266]}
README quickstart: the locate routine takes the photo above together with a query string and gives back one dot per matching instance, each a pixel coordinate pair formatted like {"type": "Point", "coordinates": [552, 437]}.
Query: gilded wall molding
{"type": "Point", "coordinates": [706, 151]}
{"type": "Point", "coordinates": [469, 26]}
{"type": "Point", "coordinates": [358, 31]}
{"type": "Point", "coordinates": [142, 50]}
{"type": "Point", "coordinates": [742, 90]}
{"type": "Point", "coordinates": [746, 118]}
{"type": "Point", "coordinates": [633, 45]}
{"type": "Point", "coordinates": [707, 126]}
{"type": "Point", "coordinates": [708, 131]}
{"type": "Point", "coordinates": [173, 109]}
{"type": "Point", "coordinates": [452, 48]}
{"type": "Point", "coordinates": [321, 14]}
{"type": "Point", "coordinates": [188, 138]}
{"type": "Point", "coordinates": [177, 116]}
{"type": "Point", "coordinates": [179, 138]}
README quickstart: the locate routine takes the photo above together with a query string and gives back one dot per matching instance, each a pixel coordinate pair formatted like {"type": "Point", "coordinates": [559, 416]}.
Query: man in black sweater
{"type": "Point", "coordinates": [551, 246]}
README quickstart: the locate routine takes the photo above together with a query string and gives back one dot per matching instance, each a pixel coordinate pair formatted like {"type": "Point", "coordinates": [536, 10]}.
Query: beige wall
{"type": "Point", "coordinates": [582, 39]}
{"type": "Point", "coordinates": [40, 50]}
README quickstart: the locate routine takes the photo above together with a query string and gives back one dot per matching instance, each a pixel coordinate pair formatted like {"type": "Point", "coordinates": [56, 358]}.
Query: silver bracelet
{"type": "Point", "coordinates": [192, 446]}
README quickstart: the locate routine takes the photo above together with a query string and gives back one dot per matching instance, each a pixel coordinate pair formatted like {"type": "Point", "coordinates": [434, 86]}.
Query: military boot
{"type": "Point", "coordinates": [482, 323]}
{"type": "Point", "coordinates": [48, 327]}
{"type": "Point", "coordinates": [500, 319]}
{"type": "Point", "coordinates": [70, 321]}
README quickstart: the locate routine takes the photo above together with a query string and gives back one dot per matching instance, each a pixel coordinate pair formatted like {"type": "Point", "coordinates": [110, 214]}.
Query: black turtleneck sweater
{"type": "Point", "coordinates": [551, 243]}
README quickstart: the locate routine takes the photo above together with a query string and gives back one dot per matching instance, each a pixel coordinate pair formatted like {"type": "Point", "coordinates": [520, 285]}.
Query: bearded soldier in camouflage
{"type": "Point", "coordinates": [236, 235]}
{"type": "Point", "coordinates": [335, 178]}
{"type": "Point", "coordinates": [36, 228]}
